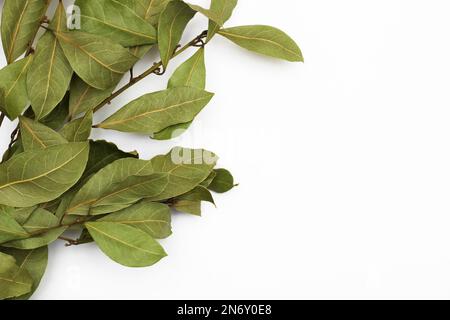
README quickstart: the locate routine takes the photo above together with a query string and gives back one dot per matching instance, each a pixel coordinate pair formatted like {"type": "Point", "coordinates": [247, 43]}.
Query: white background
{"type": "Point", "coordinates": [343, 164]}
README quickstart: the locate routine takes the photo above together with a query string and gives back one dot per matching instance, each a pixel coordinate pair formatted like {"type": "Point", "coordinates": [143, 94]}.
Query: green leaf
{"type": "Point", "coordinates": [10, 229]}
{"type": "Point", "coordinates": [172, 22]}
{"type": "Point", "coordinates": [34, 262]}
{"type": "Point", "coordinates": [208, 180]}
{"type": "Point", "coordinates": [224, 9]}
{"type": "Point", "coordinates": [222, 182]}
{"type": "Point", "coordinates": [106, 179]}
{"type": "Point", "coordinates": [210, 14]}
{"type": "Point", "coordinates": [85, 98]}
{"type": "Point", "coordinates": [14, 281]}
{"type": "Point", "coordinates": [50, 73]}
{"type": "Point", "coordinates": [14, 86]}
{"type": "Point", "coordinates": [191, 73]}
{"type": "Point", "coordinates": [126, 245]}
{"type": "Point", "coordinates": [151, 217]}
{"type": "Point", "coordinates": [187, 168]}
{"type": "Point", "coordinates": [114, 20]}
{"type": "Point", "coordinates": [38, 136]}
{"type": "Point", "coordinates": [37, 225]}
{"type": "Point", "coordinates": [265, 40]}
{"type": "Point", "coordinates": [78, 130]}
{"type": "Point", "coordinates": [100, 62]}
{"type": "Point", "coordinates": [20, 22]}
{"type": "Point", "coordinates": [21, 215]}
{"type": "Point", "coordinates": [188, 206]}
{"type": "Point", "coordinates": [156, 111]}
{"type": "Point", "coordinates": [35, 177]}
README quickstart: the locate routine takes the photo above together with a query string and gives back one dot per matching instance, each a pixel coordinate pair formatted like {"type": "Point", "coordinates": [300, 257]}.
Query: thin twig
{"type": "Point", "coordinates": [2, 117]}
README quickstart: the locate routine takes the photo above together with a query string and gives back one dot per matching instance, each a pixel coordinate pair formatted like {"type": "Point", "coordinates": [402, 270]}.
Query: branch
{"type": "Point", "coordinates": [155, 69]}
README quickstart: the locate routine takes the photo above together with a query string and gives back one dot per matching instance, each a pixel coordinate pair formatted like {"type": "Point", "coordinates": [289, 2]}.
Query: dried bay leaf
{"type": "Point", "coordinates": [38, 136]}
{"type": "Point", "coordinates": [224, 9]}
{"type": "Point", "coordinates": [105, 179]}
{"type": "Point", "coordinates": [191, 73]}
{"type": "Point", "coordinates": [78, 130]}
{"type": "Point", "coordinates": [50, 72]}
{"type": "Point", "coordinates": [44, 229]}
{"type": "Point", "coordinates": [85, 98]}
{"type": "Point", "coordinates": [156, 111]}
{"type": "Point", "coordinates": [191, 202]}
{"type": "Point", "coordinates": [39, 176]}
{"type": "Point", "coordinates": [222, 182]}
{"type": "Point", "coordinates": [13, 84]}
{"type": "Point", "coordinates": [20, 22]}
{"type": "Point", "coordinates": [149, 10]}
{"type": "Point", "coordinates": [14, 281]}
{"type": "Point", "coordinates": [114, 20]}
{"type": "Point", "coordinates": [58, 116]}
{"type": "Point", "coordinates": [172, 22]}
{"type": "Point", "coordinates": [264, 40]}
{"type": "Point", "coordinates": [187, 168]}
{"type": "Point", "coordinates": [34, 262]}
{"type": "Point", "coordinates": [151, 217]}
{"type": "Point", "coordinates": [126, 245]}
{"type": "Point", "coordinates": [98, 61]}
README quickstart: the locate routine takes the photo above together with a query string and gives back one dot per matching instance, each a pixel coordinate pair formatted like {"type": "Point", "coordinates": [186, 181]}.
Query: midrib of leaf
{"type": "Point", "coordinates": [121, 241]}
{"type": "Point", "coordinates": [90, 55]}
{"type": "Point", "coordinates": [50, 71]}
{"type": "Point", "coordinates": [259, 39]}
{"type": "Point", "coordinates": [13, 37]}
{"type": "Point", "coordinates": [147, 12]}
{"type": "Point", "coordinates": [35, 137]}
{"type": "Point", "coordinates": [78, 103]}
{"type": "Point", "coordinates": [14, 281]}
{"type": "Point", "coordinates": [150, 112]}
{"type": "Point", "coordinates": [191, 72]}
{"type": "Point", "coordinates": [170, 33]}
{"type": "Point", "coordinates": [122, 29]}
{"type": "Point", "coordinates": [43, 174]}
{"type": "Point", "coordinates": [18, 77]}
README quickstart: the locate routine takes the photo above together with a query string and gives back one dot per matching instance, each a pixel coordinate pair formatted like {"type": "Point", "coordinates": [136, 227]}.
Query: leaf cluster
{"type": "Point", "coordinates": [54, 177]}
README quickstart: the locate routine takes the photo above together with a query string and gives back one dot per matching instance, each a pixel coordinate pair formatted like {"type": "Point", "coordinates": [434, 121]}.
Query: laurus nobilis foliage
{"type": "Point", "coordinates": [53, 177]}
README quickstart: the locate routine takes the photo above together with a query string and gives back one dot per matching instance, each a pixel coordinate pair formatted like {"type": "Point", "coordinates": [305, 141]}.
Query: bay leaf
{"type": "Point", "coordinates": [20, 22]}
{"type": "Point", "coordinates": [192, 73]}
{"type": "Point", "coordinates": [50, 72]}
{"type": "Point", "coordinates": [104, 180]}
{"type": "Point", "coordinates": [39, 221]}
{"type": "Point", "coordinates": [208, 180]}
{"type": "Point", "coordinates": [78, 130]}
{"type": "Point", "coordinates": [21, 215]}
{"type": "Point", "coordinates": [98, 61]}
{"type": "Point", "coordinates": [126, 245]}
{"type": "Point", "coordinates": [151, 217]}
{"type": "Point", "coordinates": [114, 20]}
{"type": "Point", "coordinates": [222, 182]}
{"type": "Point", "coordinates": [210, 14]}
{"type": "Point", "coordinates": [38, 136]}
{"type": "Point", "coordinates": [191, 202]}
{"type": "Point", "coordinates": [14, 86]}
{"type": "Point", "coordinates": [103, 153]}
{"type": "Point", "coordinates": [264, 40]}
{"type": "Point", "coordinates": [224, 9]}
{"type": "Point", "coordinates": [172, 23]}
{"type": "Point", "coordinates": [34, 262]}
{"type": "Point", "coordinates": [85, 98]}
{"type": "Point", "coordinates": [14, 281]}
{"type": "Point", "coordinates": [187, 168]}
{"type": "Point", "coordinates": [10, 229]}
{"type": "Point", "coordinates": [156, 111]}
{"type": "Point", "coordinates": [39, 176]}
{"type": "Point", "coordinates": [57, 118]}
{"type": "Point", "coordinates": [127, 192]}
